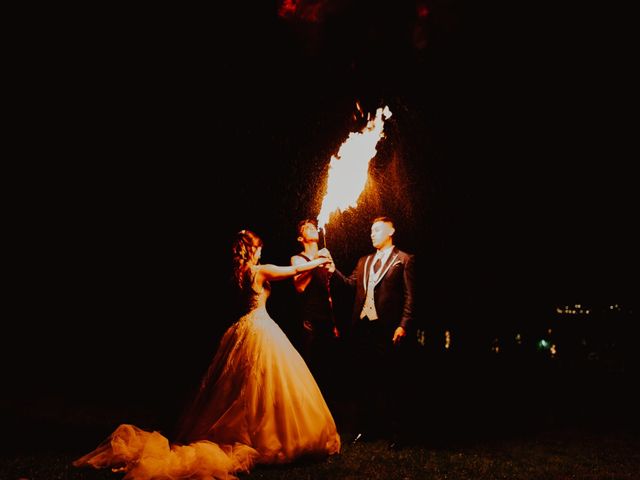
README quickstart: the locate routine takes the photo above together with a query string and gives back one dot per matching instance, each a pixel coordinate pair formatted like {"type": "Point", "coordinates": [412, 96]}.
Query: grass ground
{"type": "Point", "coordinates": [473, 423]}
{"type": "Point", "coordinates": [559, 454]}
{"type": "Point", "coordinates": [544, 449]}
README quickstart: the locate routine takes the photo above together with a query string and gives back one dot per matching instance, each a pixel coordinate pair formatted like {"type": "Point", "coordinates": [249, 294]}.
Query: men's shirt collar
{"type": "Point", "coordinates": [383, 254]}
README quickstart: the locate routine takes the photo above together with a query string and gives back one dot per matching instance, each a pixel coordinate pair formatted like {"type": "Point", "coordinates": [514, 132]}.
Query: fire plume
{"type": "Point", "coordinates": [349, 168]}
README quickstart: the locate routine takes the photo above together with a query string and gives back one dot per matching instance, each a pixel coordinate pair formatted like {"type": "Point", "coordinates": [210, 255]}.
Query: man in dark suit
{"type": "Point", "coordinates": [382, 314]}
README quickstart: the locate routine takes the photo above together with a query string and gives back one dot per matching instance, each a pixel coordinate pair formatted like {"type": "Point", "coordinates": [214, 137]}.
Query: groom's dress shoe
{"type": "Point", "coordinates": [397, 442]}
{"type": "Point", "coordinates": [395, 445]}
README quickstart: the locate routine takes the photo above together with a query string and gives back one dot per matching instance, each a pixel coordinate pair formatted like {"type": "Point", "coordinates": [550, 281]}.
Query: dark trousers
{"type": "Point", "coordinates": [319, 350]}
{"type": "Point", "coordinates": [378, 379]}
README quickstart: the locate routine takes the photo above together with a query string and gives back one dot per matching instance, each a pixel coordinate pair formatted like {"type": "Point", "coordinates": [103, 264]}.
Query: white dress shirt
{"type": "Point", "coordinates": [369, 307]}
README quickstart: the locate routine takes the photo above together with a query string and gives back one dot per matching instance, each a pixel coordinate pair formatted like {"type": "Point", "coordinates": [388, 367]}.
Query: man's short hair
{"type": "Point", "coordinates": [384, 219]}
{"type": "Point", "coordinates": [302, 223]}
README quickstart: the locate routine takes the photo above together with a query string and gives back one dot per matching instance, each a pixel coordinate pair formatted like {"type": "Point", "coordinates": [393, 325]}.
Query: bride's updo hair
{"type": "Point", "coordinates": [244, 248]}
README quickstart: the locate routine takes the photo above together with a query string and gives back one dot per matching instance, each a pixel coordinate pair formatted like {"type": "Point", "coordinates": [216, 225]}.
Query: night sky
{"type": "Point", "coordinates": [165, 132]}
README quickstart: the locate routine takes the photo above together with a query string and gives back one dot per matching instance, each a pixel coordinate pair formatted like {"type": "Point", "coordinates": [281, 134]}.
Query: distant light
{"type": "Point", "coordinates": [543, 344]}
{"type": "Point", "coordinates": [447, 339]}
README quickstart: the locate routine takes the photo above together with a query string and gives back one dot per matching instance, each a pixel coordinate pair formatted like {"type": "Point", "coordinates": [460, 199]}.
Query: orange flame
{"type": "Point", "coordinates": [348, 170]}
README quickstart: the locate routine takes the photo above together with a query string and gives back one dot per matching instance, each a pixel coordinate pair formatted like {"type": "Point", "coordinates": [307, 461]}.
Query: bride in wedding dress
{"type": "Point", "coordinates": [257, 404]}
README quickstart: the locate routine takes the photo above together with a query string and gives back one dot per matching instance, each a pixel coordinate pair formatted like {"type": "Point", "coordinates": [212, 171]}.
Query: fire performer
{"type": "Point", "coordinates": [382, 314]}
{"type": "Point", "coordinates": [319, 331]}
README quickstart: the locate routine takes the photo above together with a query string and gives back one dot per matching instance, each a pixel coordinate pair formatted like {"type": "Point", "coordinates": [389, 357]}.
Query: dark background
{"type": "Point", "coordinates": [155, 135]}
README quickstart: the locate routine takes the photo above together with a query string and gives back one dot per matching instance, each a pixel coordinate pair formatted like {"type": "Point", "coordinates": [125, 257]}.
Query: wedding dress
{"type": "Point", "coordinates": [257, 404]}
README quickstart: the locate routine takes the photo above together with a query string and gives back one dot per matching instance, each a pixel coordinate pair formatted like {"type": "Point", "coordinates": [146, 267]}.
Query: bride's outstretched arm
{"type": "Point", "coordinates": [277, 272]}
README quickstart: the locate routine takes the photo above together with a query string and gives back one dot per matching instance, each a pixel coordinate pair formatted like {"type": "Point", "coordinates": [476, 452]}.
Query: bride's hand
{"type": "Point", "coordinates": [331, 267]}
{"type": "Point", "coordinates": [328, 264]}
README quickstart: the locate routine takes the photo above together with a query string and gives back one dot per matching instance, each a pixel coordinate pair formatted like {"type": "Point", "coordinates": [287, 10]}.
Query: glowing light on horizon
{"type": "Point", "coordinates": [349, 168]}
{"type": "Point", "coordinates": [421, 337]}
{"type": "Point", "coordinates": [543, 344]}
